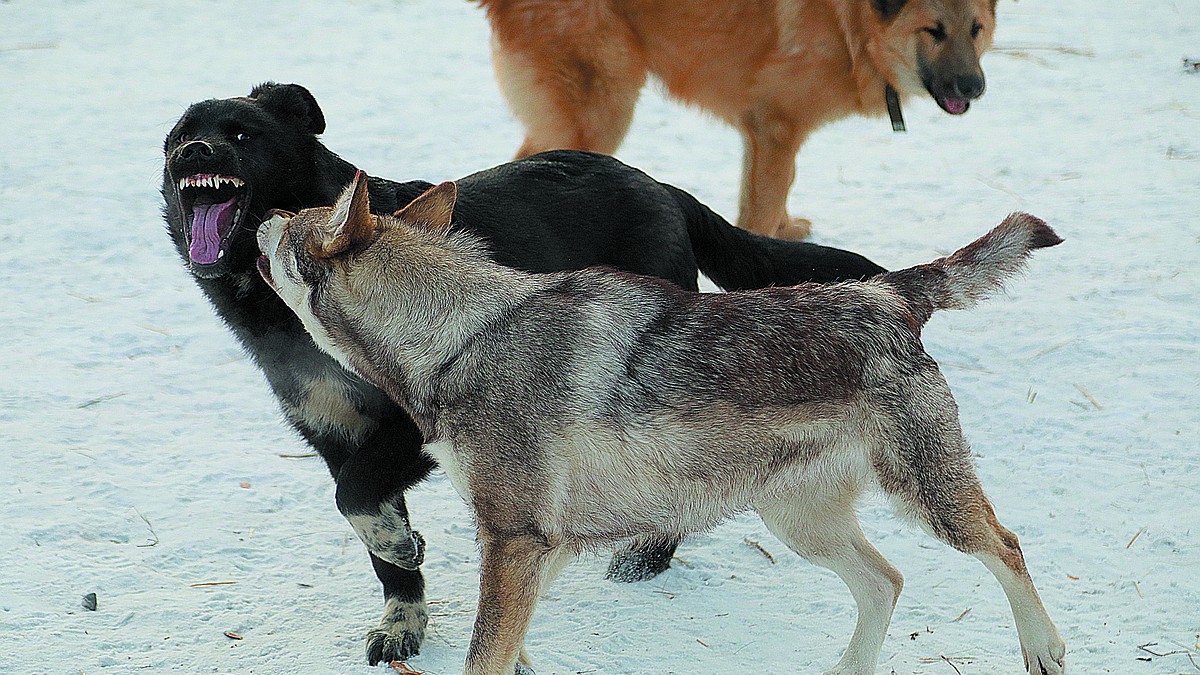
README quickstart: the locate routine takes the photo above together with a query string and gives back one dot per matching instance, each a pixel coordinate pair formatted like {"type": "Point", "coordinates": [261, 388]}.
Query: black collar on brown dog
{"type": "Point", "coordinates": [893, 106]}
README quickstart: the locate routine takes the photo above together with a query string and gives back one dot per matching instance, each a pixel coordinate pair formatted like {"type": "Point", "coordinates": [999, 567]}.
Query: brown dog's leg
{"type": "Point", "coordinates": [930, 472]}
{"type": "Point", "coordinates": [771, 142]}
{"type": "Point", "coordinates": [571, 77]}
{"type": "Point", "coordinates": [826, 533]}
{"type": "Point", "coordinates": [512, 573]}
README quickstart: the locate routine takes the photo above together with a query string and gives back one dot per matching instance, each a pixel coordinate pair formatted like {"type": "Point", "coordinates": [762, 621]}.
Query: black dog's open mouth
{"type": "Point", "coordinates": [214, 207]}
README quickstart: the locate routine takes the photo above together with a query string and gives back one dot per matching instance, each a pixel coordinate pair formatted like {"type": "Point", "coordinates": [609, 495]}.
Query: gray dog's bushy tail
{"type": "Point", "coordinates": [737, 260]}
{"type": "Point", "coordinates": [973, 272]}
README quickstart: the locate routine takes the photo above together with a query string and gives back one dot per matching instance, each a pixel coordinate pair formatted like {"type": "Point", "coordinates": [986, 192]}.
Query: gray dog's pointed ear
{"type": "Point", "coordinates": [350, 225]}
{"type": "Point", "coordinates": [433, 210]}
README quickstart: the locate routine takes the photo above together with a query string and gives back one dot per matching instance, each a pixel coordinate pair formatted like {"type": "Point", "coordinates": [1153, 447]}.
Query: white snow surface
{"type": "Point", "coordinates": [141, 453]}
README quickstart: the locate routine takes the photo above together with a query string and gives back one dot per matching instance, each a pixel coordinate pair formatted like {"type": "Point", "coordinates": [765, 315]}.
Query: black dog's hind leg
{"type": "Point", "coordinates": [642, 559]}
{"type": "Point", "coordinates": [370, 494]}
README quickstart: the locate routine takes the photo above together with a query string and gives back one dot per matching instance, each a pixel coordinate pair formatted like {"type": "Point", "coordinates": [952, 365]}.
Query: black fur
{"type": "Point", "coordinates": [554, 211]}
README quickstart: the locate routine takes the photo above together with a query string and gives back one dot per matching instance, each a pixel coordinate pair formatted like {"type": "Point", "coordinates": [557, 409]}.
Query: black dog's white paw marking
{"type": "Point", "coordinates": [389, 537]}
{"type": "Point", "coordinates": [399, 633]}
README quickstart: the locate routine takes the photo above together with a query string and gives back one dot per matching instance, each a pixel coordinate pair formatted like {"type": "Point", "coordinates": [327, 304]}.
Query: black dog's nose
{"type": "Point", "coordinates": [195, 148]}
{"type": "Point", "coordinates": [968, 86]}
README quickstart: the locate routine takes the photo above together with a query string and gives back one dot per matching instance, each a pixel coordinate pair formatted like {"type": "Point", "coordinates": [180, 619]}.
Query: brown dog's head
{"type": "Point", "coordinates": [934, 44]}
{"type": "Point", "coordinates": [324, 262]}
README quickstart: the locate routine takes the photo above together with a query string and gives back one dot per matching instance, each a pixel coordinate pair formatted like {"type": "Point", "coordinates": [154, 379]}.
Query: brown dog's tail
{"type": "Point", "coordinates": [738, 260]}
{"type": "Point", "coordinates": [973, 272]}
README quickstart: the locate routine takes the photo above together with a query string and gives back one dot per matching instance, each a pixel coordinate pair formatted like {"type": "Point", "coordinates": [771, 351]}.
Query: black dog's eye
{"type": "Point", "coordinates": [938, 32]}
{"type": "Point", "coordinates": [241, 137]}
{"type": "Point", "coordinates": [183, 137]}
{"type": "Point", "coordinates": [975, 29]}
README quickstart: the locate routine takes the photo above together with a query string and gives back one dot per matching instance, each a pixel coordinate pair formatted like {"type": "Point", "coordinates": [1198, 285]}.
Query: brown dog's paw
{"type": "Point", "coordinates": [794, 229]}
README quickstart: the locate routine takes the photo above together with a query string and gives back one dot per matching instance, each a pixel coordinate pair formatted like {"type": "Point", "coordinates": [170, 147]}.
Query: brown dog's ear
{"type": "Point", "coordinates": [350, 225]}
{"type": "Point", "coordinates": [433, 209]}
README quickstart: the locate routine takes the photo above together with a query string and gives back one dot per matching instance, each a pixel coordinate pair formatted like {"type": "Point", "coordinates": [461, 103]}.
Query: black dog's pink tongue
{"type": "Point", "coordinates": [210, 224]}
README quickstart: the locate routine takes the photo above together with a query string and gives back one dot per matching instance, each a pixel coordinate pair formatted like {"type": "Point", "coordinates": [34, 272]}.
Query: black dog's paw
{"type": "Point", "coordinates": [641, 560]}
{"type": "Point", "coordinates": [401, 547]}
{"type": "Point", "coordinates": [408, 553]}
{"type": "Point", "coordinates": [399, 634]}
{"type": "Point", "coordinates": [383, 647]}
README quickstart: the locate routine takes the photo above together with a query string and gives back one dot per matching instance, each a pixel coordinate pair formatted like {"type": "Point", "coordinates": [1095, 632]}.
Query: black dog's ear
{"type": "Point", "coordinates": [888, 9]}
{"type": "Point", "coordinates": [290, 101]}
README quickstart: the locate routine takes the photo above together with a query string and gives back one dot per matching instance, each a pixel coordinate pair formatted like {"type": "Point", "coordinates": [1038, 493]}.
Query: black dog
{"type": "Point", "coordinates": [229, 161]}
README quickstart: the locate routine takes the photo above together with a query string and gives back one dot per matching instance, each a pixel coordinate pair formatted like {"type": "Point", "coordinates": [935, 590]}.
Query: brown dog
{"type": "Point", "coordinates": [775, 69]}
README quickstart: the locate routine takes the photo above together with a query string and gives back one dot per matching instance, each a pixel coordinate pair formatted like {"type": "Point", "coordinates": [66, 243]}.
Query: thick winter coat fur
{"type": "Point", "coordinates": [578, 409]}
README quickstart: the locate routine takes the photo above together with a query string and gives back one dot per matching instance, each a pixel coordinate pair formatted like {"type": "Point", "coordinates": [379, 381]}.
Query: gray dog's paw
{"type": "Point", "coordinates": [523, 669]}
{"type": "Point", "coordinates": [399, 634]}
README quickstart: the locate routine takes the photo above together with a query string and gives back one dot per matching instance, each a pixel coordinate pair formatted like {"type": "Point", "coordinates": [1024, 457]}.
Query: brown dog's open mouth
{"type": "Point", "coordinates": [214, 208]}
{"type": "Point", "coordinates": [953, 105]}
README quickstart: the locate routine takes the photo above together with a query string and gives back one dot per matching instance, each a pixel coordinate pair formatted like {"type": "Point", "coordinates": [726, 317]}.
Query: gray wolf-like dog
{"type": "Point", "coordinates": [576, 410]}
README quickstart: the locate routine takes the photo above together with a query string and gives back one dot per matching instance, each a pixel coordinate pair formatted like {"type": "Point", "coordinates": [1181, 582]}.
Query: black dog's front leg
{"type": "Point", "coordinates": [397, 552]}
{"type": "Point", "coordinates": [402, 628]}
{"type": "Point", "coordinates": [370, 494]}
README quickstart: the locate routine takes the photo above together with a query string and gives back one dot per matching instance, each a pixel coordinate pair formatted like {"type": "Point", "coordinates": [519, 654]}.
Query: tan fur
{"type": "Point", "coordinates": [326, 405]}
{"type": "Point", "coordinates": [774, 69]}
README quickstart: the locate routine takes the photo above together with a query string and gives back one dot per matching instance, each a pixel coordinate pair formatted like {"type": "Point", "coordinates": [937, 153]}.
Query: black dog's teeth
{"type": "Point", "coordinates": [210, 181]}
{"type": "Point", "coordinates": [211, 187]}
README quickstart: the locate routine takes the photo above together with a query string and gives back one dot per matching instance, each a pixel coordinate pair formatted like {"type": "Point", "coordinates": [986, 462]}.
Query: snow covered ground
{"type": "Point", "coordinates": [142, 456]}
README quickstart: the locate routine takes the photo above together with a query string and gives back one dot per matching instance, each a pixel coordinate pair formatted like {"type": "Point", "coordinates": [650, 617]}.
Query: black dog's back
{"type": "Point", "coordinates": [565, 209]}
